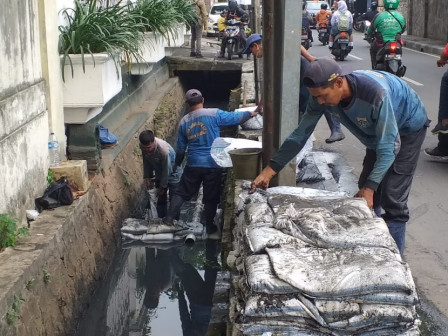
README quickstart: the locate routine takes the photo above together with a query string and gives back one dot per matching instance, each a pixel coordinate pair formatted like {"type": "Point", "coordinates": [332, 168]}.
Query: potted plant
{"type": "Point", "coordinates": [164, 24]}
{"type": "Point", "coordinates": [91, 44]}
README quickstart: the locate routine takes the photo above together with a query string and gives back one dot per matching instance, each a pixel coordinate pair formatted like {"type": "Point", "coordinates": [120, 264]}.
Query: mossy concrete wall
{"type": "Point", "coordinates": [57, 268]}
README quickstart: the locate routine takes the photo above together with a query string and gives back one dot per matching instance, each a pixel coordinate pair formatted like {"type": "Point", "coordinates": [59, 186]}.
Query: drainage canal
{"type": "Point", "coordinates": [163, 289]}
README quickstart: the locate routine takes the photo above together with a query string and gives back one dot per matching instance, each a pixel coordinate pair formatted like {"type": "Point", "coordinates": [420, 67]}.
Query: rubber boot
{"type": "Point", "coordinates": [210, 212]}
{"type": "Point", "coordinates": [173, 212]}
{"type": "Point", "coordinates": [335, 127]}
{"type": "Point", "coordinates": [398, 232]}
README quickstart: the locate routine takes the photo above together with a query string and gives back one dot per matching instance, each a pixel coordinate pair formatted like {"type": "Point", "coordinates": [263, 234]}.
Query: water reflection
{"type": "Point", "coordinates": [156, 291]}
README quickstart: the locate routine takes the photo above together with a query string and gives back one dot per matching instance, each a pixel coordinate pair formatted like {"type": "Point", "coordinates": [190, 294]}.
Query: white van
{"type": "Point", "coordinates": [213, 16]}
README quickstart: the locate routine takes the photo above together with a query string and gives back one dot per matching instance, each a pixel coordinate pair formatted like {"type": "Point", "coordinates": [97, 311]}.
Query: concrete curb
{"type": "Point", "coordinates": [423, 45]}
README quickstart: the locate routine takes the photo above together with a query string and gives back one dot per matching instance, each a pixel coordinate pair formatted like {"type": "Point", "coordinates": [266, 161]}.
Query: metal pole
{"type": "Point", "coordinates": [290, 81]}
{"type": "Point", "coordinates": [281, 63]}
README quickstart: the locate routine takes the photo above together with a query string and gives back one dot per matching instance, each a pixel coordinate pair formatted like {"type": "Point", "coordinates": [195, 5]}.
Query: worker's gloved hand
{"type": "Point", "coordinates": [367, 194]}
{"type": "Point", "coordinates": [262, 180]}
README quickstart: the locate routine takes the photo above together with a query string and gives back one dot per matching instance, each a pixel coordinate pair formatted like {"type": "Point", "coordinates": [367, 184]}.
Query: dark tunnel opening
{"type": "Point", "coordinates": [214, 85]}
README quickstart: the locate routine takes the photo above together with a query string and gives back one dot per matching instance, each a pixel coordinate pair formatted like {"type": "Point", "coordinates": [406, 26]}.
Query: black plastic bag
{"type": "Point", "coordinates": [57, 194]}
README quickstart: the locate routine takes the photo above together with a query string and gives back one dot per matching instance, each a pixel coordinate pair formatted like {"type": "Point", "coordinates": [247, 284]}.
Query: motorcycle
{"type": "Point", "coordinates": [235, 44]}
{"type": "Point", "coordinates": [306, 42]}
{"type": "Point", "coordinates": [323, 33]}
{"type": "Point", "coordinates": [388, 58]}
{"type": "Point", "coordinates": [358, 22]}
{"type": "Point", "coordinates": [368, 38]}
{"type": "Point", "coordinates": [340, 46]}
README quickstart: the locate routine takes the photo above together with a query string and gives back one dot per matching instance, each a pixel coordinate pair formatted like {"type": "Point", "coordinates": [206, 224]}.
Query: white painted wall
{"type": "Point", "coordinates": [23, 109]}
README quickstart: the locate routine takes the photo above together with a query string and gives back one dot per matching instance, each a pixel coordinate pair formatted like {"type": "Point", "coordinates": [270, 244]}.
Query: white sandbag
{"type": "Point", "coordinates": [254, 123]}
{"type": "Point", "coordinates": [319, 272]}
{"type": "Point", "coordinates": [161, 237]}
{"type": "Point", "coordinates": [135, 226]}
{"type": "Point", "coordinates": [261, 278]}
{"type": "Point", "coordinates": [260, 237]}
{"type": "Point", "coordinates": [273, 306]}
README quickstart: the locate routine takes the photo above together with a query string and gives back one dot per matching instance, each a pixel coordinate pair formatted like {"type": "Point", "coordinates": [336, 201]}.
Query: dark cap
{"type": "Point", "coordinates": [193, 95]}
{"type": "Point", "coordinates": [322, 72]}
{"type": "Point", "coordinates": [250, 40]}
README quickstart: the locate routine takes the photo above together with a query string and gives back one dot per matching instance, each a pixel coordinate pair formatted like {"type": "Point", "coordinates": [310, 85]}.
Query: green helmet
{"type": "Point", "coordinates": [391, 4]}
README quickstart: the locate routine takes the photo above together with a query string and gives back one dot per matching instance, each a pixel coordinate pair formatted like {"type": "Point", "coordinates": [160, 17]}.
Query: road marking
{"type": "Point", "coordinates": [412, 81]}
{"type": "Point", "coordinates": [421, 52]}
{"type": "Point", "coordinates": [355, 57]}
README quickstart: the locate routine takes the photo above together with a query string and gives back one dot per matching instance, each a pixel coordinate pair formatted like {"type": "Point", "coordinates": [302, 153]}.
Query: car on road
{"type": "Point", "coordinates": [213, 16]}
{"type": "Point", "coordinates": [313, 7]}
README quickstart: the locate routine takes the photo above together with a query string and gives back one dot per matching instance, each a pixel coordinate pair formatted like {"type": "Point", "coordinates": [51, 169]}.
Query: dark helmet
{"type": "Point", "coordinates": [233, 5]}
{"type": "Point", "coordinates": [324, 6]}
{"type": "Point", "coordinates": [373, 6]}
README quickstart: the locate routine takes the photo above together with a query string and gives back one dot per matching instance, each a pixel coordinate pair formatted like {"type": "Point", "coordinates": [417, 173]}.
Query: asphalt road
{"type": "Point", "coordinates": [427, 231]}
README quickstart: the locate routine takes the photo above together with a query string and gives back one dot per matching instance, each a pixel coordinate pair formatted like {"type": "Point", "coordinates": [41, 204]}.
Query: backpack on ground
{"type": "Point", "coordinates": [343, 22]}
{"type": "Point", "coordinates": [57, 194]}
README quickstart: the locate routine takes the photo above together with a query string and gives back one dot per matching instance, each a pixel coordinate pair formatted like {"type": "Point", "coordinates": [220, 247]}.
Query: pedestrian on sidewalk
{"type": "Point", "coordinates": [197, 131]}
{"type": "Point", "coordinates": [441, 129]}
{"type": "Point", "coordinates": [158, 160]}
{"type": "Point", "coordinates": [196, 30]}
{"type": "Point", "coordinates": [385, 114]}
{"type": "Point", "coordinates": [254, 46]}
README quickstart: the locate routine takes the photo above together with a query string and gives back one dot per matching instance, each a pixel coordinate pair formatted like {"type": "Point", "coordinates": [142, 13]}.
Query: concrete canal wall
{"type": "Point", "coordinates": [48, 279]}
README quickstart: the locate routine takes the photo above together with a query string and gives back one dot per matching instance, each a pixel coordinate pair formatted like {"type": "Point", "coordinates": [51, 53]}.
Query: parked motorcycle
{"type": "Point", "coordinates": [388, 58]}
{"type": "Point", "coordinates": [323, 33]}
{"type": "Point", "coordinates": [306, 42]}
{"type": "Point", "coordinates": [340, 46]}
{"type": "Point", "coordinates": [235, 43]}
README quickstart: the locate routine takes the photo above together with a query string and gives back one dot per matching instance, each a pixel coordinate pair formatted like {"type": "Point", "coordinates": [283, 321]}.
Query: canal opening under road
{"type": "Point", "coordinates": [164, 289]}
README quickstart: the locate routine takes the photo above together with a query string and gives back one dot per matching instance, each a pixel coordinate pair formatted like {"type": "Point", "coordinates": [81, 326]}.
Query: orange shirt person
{"type": "Point", "coordinates": [324, 15]}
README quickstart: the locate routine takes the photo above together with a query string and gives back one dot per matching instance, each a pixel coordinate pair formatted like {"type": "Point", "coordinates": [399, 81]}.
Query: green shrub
{"type": "Point", "coordinates": [98, 27]}
{"type": "Point", "coordinates": [163, 16]}
{"type": "Point", "coordinates": [9, 233]}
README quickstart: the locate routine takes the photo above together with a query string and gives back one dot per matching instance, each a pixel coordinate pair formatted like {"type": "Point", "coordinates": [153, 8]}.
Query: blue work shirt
{"type": "Point", "coordinates": [382, 109]}
{"type": "Point", "coordinates": [197, 131]}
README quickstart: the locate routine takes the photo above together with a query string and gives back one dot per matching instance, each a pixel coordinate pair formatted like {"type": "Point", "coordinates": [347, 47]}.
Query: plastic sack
{"type": "Point", "coordinates": [151, 209]}
{"type": "Point", "coordinates": [106, 138]}
{"type": "Point", "coordinates": [221, 147]}
{"type": "Point", "coordinates": [304, 152]}
{"type": "Point", "coordinates": [254, 123]}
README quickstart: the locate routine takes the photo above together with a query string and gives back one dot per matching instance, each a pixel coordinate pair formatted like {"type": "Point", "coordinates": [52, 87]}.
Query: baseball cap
{"type": "Point", "coordinates": [192, 94]}
{"type": "Point", "coordinates": [322, 72]}
{"type": "Point", "coordinates": [251, 39]}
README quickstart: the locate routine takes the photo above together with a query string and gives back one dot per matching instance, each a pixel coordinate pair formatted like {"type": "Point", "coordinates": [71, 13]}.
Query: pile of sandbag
{"type": "Point", "coordinates": [314, 262]}
{"type": "Point", "coordinates": [152, 230]}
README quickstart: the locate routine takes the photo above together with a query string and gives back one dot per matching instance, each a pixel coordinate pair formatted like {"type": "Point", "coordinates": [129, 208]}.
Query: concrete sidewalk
{"type": "Point", "coordinates": [424, 44]}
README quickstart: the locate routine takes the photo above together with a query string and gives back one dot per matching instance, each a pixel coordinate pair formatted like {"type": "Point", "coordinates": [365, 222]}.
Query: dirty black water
{"type": "Point", "coordinates": [160, 291]}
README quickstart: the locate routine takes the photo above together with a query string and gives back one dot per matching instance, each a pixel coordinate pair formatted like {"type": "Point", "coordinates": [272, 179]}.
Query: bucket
{"type": "Point", "coordinates": [246, 163]}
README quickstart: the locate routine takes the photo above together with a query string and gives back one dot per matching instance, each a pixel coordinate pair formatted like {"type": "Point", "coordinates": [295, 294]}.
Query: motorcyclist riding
{"type": "Point", "coordinates": [386, 27]}
{"type": "Point", "coordinates": [324, 16]}
{"type": "Point", "coordinates": [237, 13]}
{"type": "Point", "coordinates": [370, 13]}
{"type": "Point", "coordinates": [342, 14]}
{"type": "Point", "coordinates": [306, 22]}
